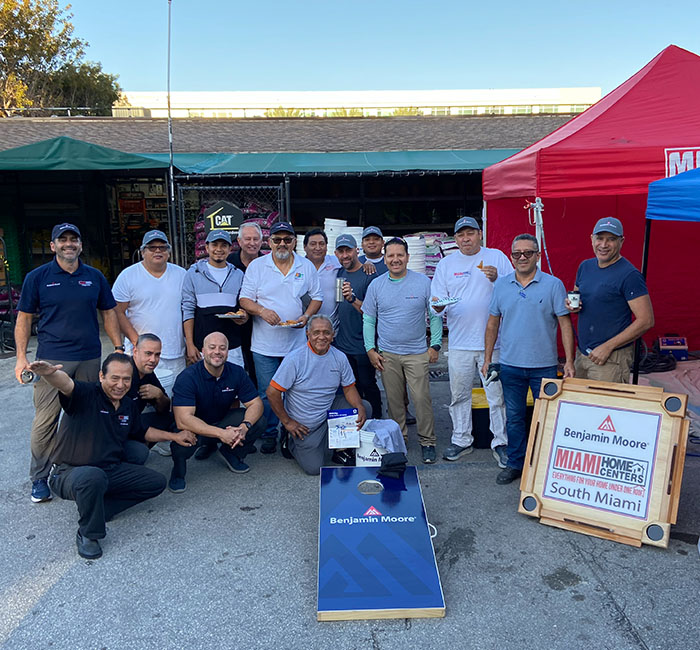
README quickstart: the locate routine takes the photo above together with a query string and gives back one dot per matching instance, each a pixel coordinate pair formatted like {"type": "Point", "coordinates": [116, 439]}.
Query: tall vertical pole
{"type": "Point", "coordinates": [175, 236]}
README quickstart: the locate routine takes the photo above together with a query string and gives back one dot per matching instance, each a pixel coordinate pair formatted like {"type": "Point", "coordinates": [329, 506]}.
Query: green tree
{"type": "Point", "coordinates": [85, 85]}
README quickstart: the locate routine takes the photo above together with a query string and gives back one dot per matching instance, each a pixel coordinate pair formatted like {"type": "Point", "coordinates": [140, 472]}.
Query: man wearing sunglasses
{"type": "Point", "coordinates": [527, 305]}
{"type": "Point", "coordinates": [278, 289]}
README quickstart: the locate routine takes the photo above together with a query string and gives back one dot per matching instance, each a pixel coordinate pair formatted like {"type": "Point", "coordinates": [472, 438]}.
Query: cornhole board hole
{"type": "Point", "coordinates": [606, 460]}
{"type": "Point", "coordinates": [375, 554]}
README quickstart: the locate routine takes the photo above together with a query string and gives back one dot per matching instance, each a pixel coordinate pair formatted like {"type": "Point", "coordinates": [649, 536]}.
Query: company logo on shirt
{"type": "Point", "coordinates": [105, 412]}
{"type": "Point", "coordinates": [462, 274]}
{"type": "Point", "coordinates": [228, 389]}
{"type": "Point", "coordinates": [298, 275]}
{"type": "Point", "coordinates": [412, 297]}
{"type": "Point", "coordinates": [54, 284]}
{"type": "Point", "coordinates": [123, 420]}
{"type": "Point", "coordinates": [85, 283]}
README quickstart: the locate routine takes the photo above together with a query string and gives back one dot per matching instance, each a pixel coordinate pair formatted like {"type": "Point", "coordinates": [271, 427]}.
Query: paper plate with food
{"type": "Point", "coordinates": [232, 314]}
{"type": "Point", "coordinates": [443, 302]}
{"type": "Point", "coordinates": [291, 323]}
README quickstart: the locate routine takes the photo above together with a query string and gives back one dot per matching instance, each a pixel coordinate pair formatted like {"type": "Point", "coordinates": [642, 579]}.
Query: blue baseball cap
{"type": "Point", "coordinates": [345, 240]}
{"type": "Point", "coordinates": [608, 224]}
{"type": "Point", "coordinates": [153, 235]}
{"type": "Point", "coordinates": [282, 226]}
{"type": "Point", "coordinates": [372, 230]}
{"type": "Point", "coordinates": [63, 227]}
{"type": "Point", "coordinates": [466, 222]}
{"type": "Point", "coordinates": [215, 235]}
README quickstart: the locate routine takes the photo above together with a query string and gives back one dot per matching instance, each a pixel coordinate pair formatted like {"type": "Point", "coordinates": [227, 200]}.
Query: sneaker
{"type": "Point", "coordinates": [499, 453]}
{"type": "Point", "coordinates": [177, 485]}
{"type": "Point", "coordinates": [284, 445]}
{"type": "Point", "coordinates": [162, 448]}
{"type": "Point", "coordinates": [203, 452]}
{"type": "Point", "coordinates": [344, 457]}
{"type": "Point", "coordinates": [269, 446]}
{"type": "Point", "coordinates": [429, 454]}
{"type": "Point", "coordinates": [410, 418]}
{"type": "Point", "coordinates": [90, 549]}
{"type": "Point", "coordinates": [508, 475]}
{"type": "Point", "coordinates": [233, 462]}
{"type": "Point", "coordinates": [40, 491]}
{"type": "Point", "coordinates": [455, 452]}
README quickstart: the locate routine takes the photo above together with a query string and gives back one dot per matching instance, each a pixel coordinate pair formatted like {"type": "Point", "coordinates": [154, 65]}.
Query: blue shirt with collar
{"type": "Point", "coordinates": [529, 319]}
{"type": "Point", "coordinates": [212, 396]}
{"type": "Point", "coordinates": [67, 304]}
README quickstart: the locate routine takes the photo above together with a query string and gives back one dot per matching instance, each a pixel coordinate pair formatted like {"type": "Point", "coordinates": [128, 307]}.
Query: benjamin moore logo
{"type": "Point", "coordinates": [372, 512]}
{"type": "Point", "coordinates": [607, 425]}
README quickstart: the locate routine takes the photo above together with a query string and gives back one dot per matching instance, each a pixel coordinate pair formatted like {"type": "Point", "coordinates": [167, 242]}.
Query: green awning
{"type": "Point", "coordinates": [65, 153]}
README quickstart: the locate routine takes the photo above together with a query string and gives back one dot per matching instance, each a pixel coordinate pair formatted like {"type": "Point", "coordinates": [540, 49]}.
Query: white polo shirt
{"type": "Point", "coordinates": [327, 275]}
{"type": "Point", "coordinates": [269, 287]}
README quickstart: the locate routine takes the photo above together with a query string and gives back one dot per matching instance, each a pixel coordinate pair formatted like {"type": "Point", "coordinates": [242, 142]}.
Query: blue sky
{"type": "Point", "coordinates": [381, 44]}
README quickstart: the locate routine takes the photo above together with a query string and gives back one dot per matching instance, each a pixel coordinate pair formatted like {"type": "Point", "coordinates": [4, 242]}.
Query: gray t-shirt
{"type": "Point", "coordinates": [310, 382]}
{"type": "Point", "coordinates": [401, 309]}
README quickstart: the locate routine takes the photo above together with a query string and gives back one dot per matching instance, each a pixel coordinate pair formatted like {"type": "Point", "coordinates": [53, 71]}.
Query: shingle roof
{"type": "Point", "coordinates": [141, 135]}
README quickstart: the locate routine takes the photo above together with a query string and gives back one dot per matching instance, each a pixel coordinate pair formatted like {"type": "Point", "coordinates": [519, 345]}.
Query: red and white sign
{"type": "Point", "coordinates": [681, 159]}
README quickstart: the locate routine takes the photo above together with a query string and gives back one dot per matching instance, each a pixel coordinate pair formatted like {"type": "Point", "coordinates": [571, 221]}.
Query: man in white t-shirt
{"type": "Point", "coordinates": [281, 291]}
{"type": "Point", "coordinates": [316, 249]}
{"type": "Point", "coordinates": [468, 275]}
{"type": "Point", "coordinates": [148, 296]}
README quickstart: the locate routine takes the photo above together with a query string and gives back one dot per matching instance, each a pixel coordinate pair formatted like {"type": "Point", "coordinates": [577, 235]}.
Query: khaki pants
{"type": "Point", "coordinates": [615, 369]}
{"type": "Point", "coordinates": [47, 409]}
{"type": "Point", "coordinates": [401, 370]}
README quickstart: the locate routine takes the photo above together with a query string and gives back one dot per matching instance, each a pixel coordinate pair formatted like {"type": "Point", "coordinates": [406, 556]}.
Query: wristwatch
{"type": "Point", "coordinates": [437, 348]}
{"type": "Point", "coordinates": [119, 347]}
{"type": "Point", "coordinates": [248, 424]}
{"type": "Point", "coordinates": [352, 298]}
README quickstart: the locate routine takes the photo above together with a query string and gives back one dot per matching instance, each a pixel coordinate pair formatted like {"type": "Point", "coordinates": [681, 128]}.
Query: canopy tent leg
{"type": "Point", "coordinates": [645, 263]}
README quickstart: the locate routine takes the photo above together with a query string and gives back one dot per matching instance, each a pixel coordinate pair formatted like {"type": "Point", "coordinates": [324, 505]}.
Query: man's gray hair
{"type": "Point", "coordinates": [250, 225]}
{"type": "Point", "coordinates": [316, 317]}
{"type": "Point", "coordinates": [527, 237]}
{"type": "Point", "coordinates": [143, 338]}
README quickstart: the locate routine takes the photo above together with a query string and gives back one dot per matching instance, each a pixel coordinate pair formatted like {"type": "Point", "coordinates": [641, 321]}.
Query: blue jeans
{"type": "Point", "coordinates": [515, 383]}
{"type": "Point", "coordinates": [265, 369]}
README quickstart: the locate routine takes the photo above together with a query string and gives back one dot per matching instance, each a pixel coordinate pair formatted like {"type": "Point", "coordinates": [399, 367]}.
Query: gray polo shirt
{"type": "Point", "coordinates": [529, 319]}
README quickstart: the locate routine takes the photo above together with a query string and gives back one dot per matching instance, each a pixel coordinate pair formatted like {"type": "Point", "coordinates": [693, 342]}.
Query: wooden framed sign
{"type": "Point", "coordinates": [606, 459]}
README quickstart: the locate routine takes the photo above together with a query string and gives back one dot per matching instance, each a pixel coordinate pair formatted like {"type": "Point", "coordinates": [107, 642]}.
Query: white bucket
{"type": "Point", "coordinates": [167, 380]}
{"type": "Point", "coordinates": [368, 454]}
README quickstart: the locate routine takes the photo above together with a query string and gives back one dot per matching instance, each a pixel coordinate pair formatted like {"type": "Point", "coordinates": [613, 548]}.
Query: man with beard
{"type": "Point", "coordinates": [281, 291]}
{"type": "Point", "coordinates": [67, 295]}
{"type": "Point", "coordinates": [205, 401]}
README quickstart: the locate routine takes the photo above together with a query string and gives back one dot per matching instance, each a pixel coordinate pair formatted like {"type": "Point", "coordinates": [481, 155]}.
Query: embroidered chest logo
{"type": "Point", "coordinates": [85, 283]}
{"type": "Point", "coordinates": [54, 284]}
{"type": "Point", "coordinates": [123, 420]}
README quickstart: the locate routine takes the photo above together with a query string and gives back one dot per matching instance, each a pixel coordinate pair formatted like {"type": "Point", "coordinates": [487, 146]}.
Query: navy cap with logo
{"type": "Point", "coordinates": [372, 230]}
{"type": "Point", "coordinates": [467, 222]}
{"type": "Point", "coordinates": [63, 227]}
{"type": "Point", "coordinates": [216, 235]}
{"type": "Point", "coordinates": [153, 235]}
{"type": "Point", "coordinates": [282, 226]}
{"type": "Point", "coordinates": [345, 240]}
{"type": "Point", "coordinates": [608, 224]}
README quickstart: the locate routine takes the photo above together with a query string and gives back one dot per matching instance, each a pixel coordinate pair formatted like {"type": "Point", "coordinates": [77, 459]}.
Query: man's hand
{"type": "Point", "coordinates": [491, 272]}
{"type": "Point", "coordinates": [43, 368]}
{"type": "Point", "coordinates": [361, 417]}
{"type": "Point", "coordinates": [185, 438]}
{"type": "Point", "coordinates": [302, 320]}
{"type": "Point", "coordinates": [193, 354]}
{"type": "Point", "coordinates": [233, 436]}
{"type": "Point", "coordinates": [20, 365]}
{"type": "Point", "coordinates": [149, 392]}
{"type": "Point", "coordinates": [243, 319]}
{"type": "Point", "coordinates": [569, 370]}
{"type": "Point", "coordinates": [485, 367]}
{"type": "Point", "coordinates": [369, 268]}
{"type": "Point", "coordinates": [599, 355]}
{"type": "Point", "coordinates": [433, 355]}
{"type": "Point", "coordinates": [297, 429]}
{"type": "Point", "coordinates": [269, 316]}
{"type": "Point", "coordinates": [347, 290]}
{"type": "Point", "coordinates": [572, 309]}
{"type": "Point", "coordinates": [376, 359]}
{"type": "Point", "coordinates": [437, 310]}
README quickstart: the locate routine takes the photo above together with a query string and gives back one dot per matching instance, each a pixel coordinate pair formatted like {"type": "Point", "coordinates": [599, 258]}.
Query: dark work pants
{"type": "Point", "coordinates": [232, 419]}
{"type": "Point", "coordinates": [137, 452]}
{"type": "Point", "coordinates": [101, 493]}
{"type": "Point", "coordinates": [366, 378]}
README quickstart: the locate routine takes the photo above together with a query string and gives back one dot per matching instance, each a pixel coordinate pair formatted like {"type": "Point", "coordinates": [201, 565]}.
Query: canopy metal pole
{"type": "Point", "coordinates": [484, 219]}
{"type": "Point", "coordinates": [178, 251]}
{"type": "Point", "coordinates": [645, 264]}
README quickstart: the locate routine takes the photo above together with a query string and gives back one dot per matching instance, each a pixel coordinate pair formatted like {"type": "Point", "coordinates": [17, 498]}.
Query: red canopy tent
{"type": "Point", "coordinates": [600, 164]}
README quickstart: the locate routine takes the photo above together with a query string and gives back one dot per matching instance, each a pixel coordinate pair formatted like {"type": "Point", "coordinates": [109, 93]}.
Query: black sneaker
{"type": "Point", "coordinates": [90, 549]}
{"type": "Point", "coordinates": [40, 491]}
{"type": "Point", "coordinates": [205, 451]}
{"type": "Point", "coordinates": [345, 457]}
{"type": "Point", "coordinates": [410, 418]}
{"type": "Point", "coordinates": [284, 444]}
{"type": "Point", "coordinates": [429, 454]}
{"type": "Point", "coordinates": [269, 446]}
{"type": "Point", "coordinates": [508, 475]}
{"type": "Point", "coordinates": [233, 462]}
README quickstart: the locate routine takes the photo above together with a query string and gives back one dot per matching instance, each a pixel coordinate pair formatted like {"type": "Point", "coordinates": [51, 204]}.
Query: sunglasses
{"type": "Point", "coordinates": [158, 249]}
{"type": "Point", "coordinates": [516, 255]}
{"type": "Point", "coordinates": [279, 240]}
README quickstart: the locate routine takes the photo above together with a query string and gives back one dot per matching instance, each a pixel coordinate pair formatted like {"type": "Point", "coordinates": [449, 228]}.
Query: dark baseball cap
{"type": "Point", "coordinates": [467, 222]}
{"type": "Point", "coordinates": [153, 235]}
{"type": "Point", "coordinates": [282, 226]}
{"type": "Point", "coordinates": [63, 227]}
{"type": "Point", "coordinates": [609, 224]}
{"type": "Point", "coordinates": [372, 230]}
{"type": "Point", "coordinates": [345, 240]}
{"type": "Point", "coordinates": [215, 235]}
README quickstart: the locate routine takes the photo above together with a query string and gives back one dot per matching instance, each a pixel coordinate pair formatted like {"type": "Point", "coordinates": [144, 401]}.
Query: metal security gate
{"type": "Point", "coordinates": [259, 202]}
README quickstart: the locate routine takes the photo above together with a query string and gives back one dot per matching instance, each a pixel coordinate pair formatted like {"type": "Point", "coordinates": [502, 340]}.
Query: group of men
{"type": "Point", "coordinates": [262, 347]}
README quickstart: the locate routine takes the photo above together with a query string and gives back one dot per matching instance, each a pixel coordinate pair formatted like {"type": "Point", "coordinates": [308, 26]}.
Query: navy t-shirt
{"type": "Point", "coordinates": [380, 266]}
{"type": "Point", "coordinates": [349, 338]}
{"type": "Point", "coordinates": [212, 396]}
{"type": "Point", "coordinates": [605, 293]}
{"type": "Point", "coordinates": [67, 304]}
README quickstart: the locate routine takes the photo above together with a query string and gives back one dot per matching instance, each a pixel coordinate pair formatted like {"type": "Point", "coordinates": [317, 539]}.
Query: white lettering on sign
{"type": "Point", "coordinates": [681, 159]}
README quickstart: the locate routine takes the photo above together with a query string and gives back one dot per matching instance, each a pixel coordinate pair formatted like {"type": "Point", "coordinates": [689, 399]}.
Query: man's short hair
{"type": "Point", "coordinates": [527, 237]}
{"type": "Point", "coordinates": [396, 240]}
{"type": "Point", "coordinates": [250, 225]}
{"type": "Point", "coordinates": [316, 317]}
{"type": "Point", "coordinates": [311, 233]}
{"type": "Point", "coordinates": [119, 357]}
{"type": "Point", "coordinates": [143, 338]}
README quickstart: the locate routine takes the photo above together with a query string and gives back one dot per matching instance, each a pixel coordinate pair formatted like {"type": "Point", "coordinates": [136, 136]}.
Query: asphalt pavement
{"type": "Point", "coordinates": [231, 563]}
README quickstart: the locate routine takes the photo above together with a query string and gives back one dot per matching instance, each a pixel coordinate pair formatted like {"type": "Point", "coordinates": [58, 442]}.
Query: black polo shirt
{"type": "Point", "coordinates": [91, 432]}
{"type": "Point", "coordinates": [235, 259]}
{"type": "Point", "coordinates": [67, 304]}
{"type": "Point", "coordinates": [211, 396]}
{"type": "Point", "coordinates": [137, 381]}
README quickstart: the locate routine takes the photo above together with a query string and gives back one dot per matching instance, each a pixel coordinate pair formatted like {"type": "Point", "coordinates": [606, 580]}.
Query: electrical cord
{"type": "Point", "coordinates": [655, 361]}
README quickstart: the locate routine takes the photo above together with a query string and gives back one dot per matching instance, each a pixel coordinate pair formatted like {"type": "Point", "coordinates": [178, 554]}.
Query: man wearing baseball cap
{"type": "Point", "coordinates": [469, 275]}
{"type": "Point", "coordinates": [67, 295]}
{"type": "Point", "coordinates": [612, 291]}
{"type": "Point", "coordinates": [372, 246]}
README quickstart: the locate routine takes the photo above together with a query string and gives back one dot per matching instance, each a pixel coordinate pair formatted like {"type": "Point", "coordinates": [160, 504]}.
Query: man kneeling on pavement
{"type": "Point", "coordinates": [309, 378]}
{"type": "Point", "coordinates": [206, 399]}
{"type": "Point", "coordinates": [88, 457]}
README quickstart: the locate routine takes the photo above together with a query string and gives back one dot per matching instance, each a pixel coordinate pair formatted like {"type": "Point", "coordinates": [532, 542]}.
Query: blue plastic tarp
{"type": "Point", "coordinates": [676, 198]}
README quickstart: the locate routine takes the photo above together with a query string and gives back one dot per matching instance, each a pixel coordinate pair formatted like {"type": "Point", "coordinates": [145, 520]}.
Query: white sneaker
{"type": "Point", "coordinates": [162, 448]}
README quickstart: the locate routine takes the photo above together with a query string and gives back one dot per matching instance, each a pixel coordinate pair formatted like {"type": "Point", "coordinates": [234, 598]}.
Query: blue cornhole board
{"type": "Point", "coordinates": [375, 555]}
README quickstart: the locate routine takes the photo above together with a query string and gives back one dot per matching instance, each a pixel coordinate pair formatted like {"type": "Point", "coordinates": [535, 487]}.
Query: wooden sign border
{"type": "Point", "coordinates": [667, 475]}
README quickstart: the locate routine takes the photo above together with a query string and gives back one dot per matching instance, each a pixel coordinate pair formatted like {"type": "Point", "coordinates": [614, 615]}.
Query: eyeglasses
{"type": "Point", "coordinates": [158, 249]}
{"type": "Point", "coordinates": [516, 255]}
{"type": "Point", "coordinates": [279, 240]}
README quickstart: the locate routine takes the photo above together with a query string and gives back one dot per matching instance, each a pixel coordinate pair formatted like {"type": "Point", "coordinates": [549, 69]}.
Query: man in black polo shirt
{"type": "Point", "coordinates": [205, 400]}
{"type": "Point", "coordinates": [89, 448]}
{"type": "Point", "coordinates": [67, 295]}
